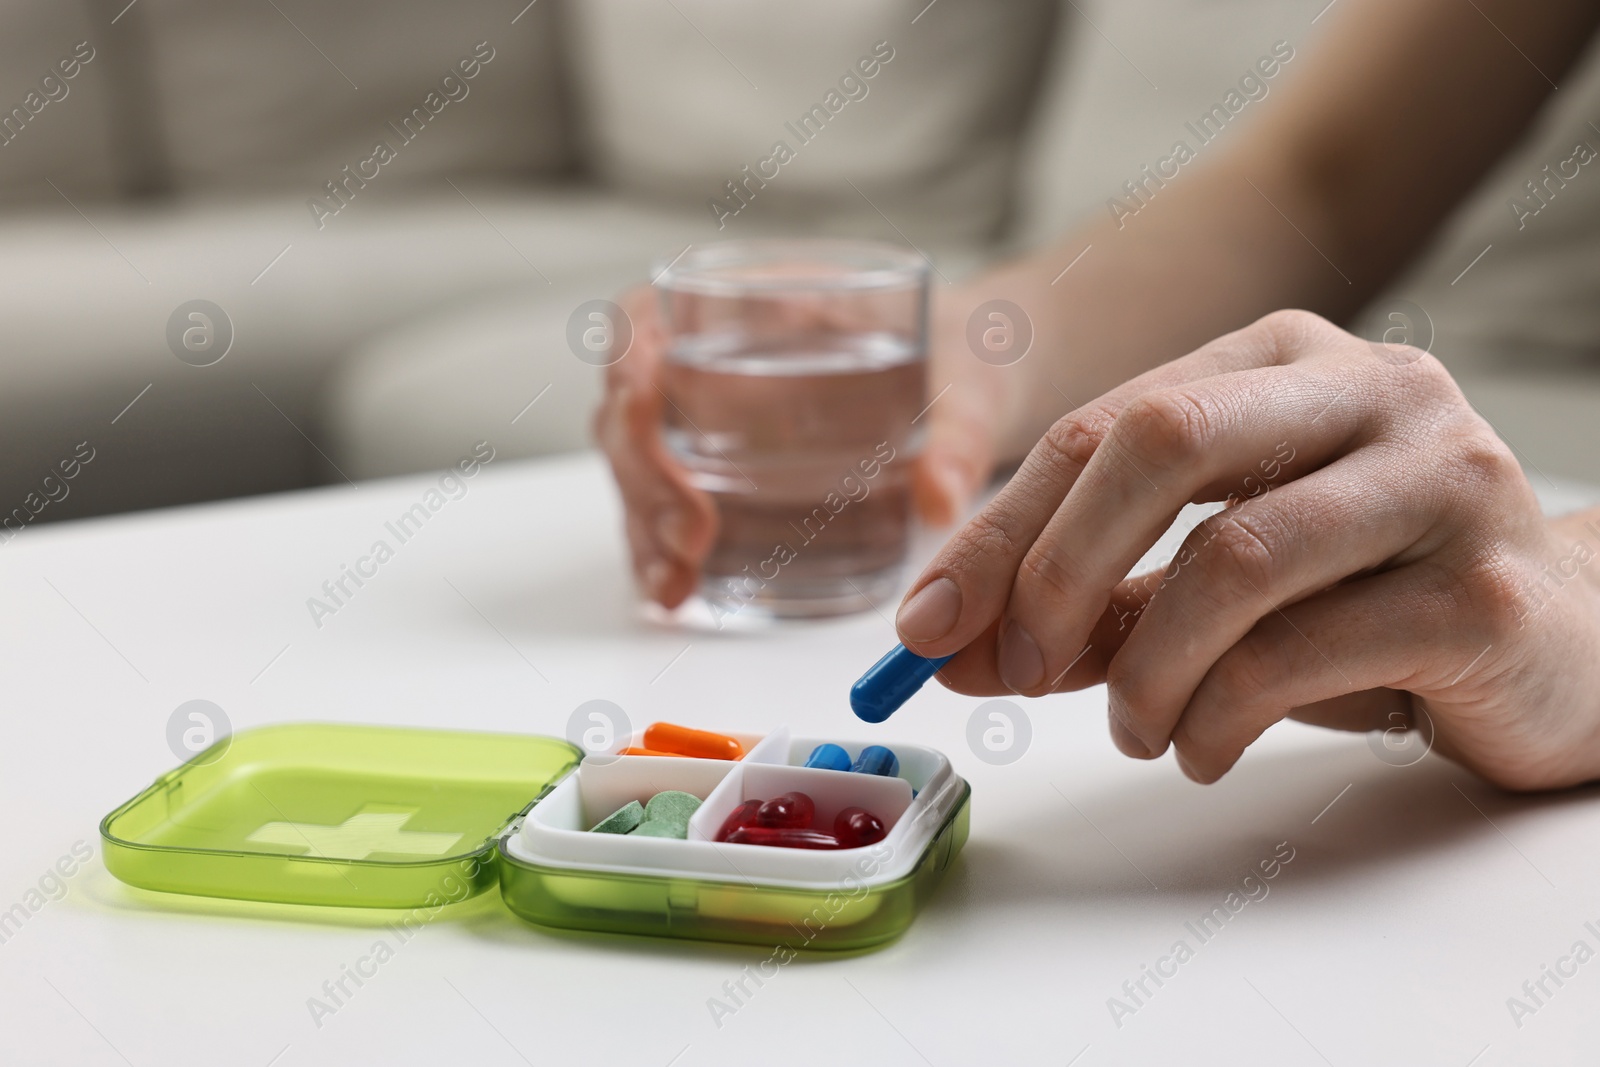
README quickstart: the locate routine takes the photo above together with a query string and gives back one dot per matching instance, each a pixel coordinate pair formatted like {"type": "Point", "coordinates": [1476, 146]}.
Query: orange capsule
{"type": "Point", "coordinates": [682, 741]}
{"type": "Point", "coordinates": [634, 750]}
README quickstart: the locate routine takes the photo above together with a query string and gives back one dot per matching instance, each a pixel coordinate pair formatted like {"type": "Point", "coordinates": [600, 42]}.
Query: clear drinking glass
{"type": "Point", "coordinates": [795, 374]}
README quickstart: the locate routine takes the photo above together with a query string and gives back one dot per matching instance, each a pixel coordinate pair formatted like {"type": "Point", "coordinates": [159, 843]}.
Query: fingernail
{"type": "Point", "coordinates": [1126, 740]}
{"type": "Point", "coordinates": [931, 613]}
{"type": "Point", "coordinates": [674, 527]}
{"type": "Point", "coordinates": [1021, 664]}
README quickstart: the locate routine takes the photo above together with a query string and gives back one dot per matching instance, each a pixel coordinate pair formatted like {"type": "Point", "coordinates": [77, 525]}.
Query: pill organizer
{"type": "Point", "coordinates": [389, 817]}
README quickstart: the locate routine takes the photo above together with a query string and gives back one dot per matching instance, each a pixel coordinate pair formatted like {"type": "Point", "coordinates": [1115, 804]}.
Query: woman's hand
{"type": "Point", "coordinates": [672, 524]}
{"type": "Point", "coordinates": [1382, 559]}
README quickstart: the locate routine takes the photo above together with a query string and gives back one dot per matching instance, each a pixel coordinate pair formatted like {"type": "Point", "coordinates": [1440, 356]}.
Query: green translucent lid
{"type": "Point", "coordinates": [323, 813]}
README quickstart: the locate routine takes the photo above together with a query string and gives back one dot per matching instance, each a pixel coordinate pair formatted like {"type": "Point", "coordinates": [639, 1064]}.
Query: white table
{"type": "Point", "coordinates": [1417, 901]}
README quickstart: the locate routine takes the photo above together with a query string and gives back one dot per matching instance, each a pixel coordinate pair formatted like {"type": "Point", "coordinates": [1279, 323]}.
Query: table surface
{"type": "Point", "coordinates": [1416, 902]}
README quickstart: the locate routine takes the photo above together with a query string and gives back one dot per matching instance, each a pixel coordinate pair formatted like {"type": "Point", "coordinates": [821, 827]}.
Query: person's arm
{"type": "Point", "coordinates": [1382, 561]}
{"type": "Point", "coordinates": [1370, 139]}
{"type": "Point", "coordinates": [1365, 143]}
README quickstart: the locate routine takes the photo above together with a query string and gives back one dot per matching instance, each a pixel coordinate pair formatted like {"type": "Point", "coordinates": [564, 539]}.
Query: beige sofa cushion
{"type": "Point", "coordinates": [286, 94]}
{"type": "Point", "coordinates": [54, 126]}
{"type": "Point", "coordinates": [415, 396]}
{"type": "Point", "coordinates": [679, 97]}
{"type": "Point", "coordinates": [472, 308]}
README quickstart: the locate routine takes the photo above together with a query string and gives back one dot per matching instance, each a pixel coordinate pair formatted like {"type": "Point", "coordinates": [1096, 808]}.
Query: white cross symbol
{"type": "Point", "coordinates": [357, 837]}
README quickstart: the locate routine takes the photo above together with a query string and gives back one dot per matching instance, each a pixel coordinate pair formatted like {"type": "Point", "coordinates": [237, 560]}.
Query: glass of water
{"type": "Point", "coordinates": [795, 378]}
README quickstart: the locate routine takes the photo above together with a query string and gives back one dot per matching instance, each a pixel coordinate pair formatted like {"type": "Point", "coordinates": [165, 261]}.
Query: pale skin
{"type": "Point", "coordinates": [1396, 568]}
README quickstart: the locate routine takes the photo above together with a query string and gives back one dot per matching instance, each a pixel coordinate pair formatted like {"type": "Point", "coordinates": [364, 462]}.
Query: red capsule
{"type": "Point", "coordinates": [790, 811]}
{"type": "Point", "coordinates": [741, 816]}
{"type": "Point", "coordinates": [781, 837]}
{"type": "Point", "coordinates": [856, 827]}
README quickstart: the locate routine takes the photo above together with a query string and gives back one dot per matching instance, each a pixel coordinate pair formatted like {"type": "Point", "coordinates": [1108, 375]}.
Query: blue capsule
{"type": "Point", "coordinates": [890, 682]}
{"type": "Point", "coordinates": [829, 758]}
{"type": "Point", "coordinates": [875, 759]}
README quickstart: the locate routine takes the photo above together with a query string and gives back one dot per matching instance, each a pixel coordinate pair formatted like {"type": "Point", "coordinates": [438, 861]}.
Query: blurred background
{"type": "Point", "coordinates": [375, 310]}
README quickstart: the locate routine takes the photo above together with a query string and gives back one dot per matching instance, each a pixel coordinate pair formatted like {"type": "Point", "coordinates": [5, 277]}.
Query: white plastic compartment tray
{"type": "Point", "coordinates": [555, 833]}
